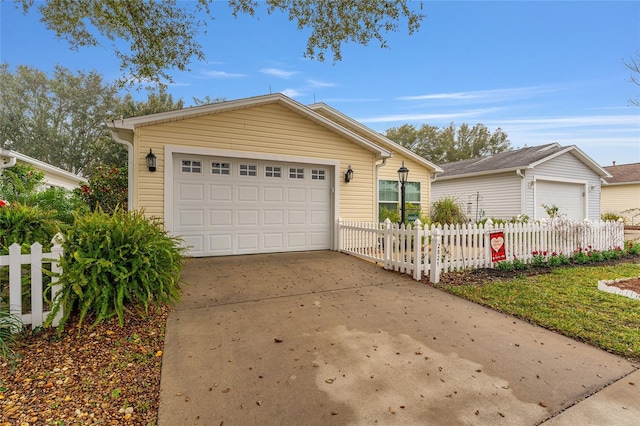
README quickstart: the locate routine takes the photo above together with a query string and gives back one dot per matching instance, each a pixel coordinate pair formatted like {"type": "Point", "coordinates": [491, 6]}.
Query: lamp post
{"type": "Point", "coordinates": [403, 173]}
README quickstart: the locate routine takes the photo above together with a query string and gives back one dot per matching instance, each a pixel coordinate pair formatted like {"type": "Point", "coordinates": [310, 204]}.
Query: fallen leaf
{"type": "Point", "coordinates": [227, 390]}
{"type": "Point", "coordinates": [542, 404]}
{"type": "Point", "coordinates": [277, 340]}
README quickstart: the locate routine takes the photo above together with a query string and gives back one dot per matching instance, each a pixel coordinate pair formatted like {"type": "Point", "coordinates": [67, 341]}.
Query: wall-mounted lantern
{"type": "Point", "coordinates": [152, 161]}
{"type": "Point", "coordinates": [348, 175]}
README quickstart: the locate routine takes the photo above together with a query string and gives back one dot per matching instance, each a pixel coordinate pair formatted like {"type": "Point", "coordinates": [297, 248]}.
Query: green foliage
{"type": "Point", "coordinates": [150, 55]}
{"type": "Point", "coordinates": [9, 324]}
{"type": "Point", "coordinates": [106, 190]}
{"type": "Point", "coordinates": [26, 225]}
{"type": "Point", "coordinates": [610, 216]}
{"type": "Point", "coordinates": [447, 211]}
{"type": "Point", "coordinates": [58, 119]}
{"type": "Point", "coordinates": [632, 247]}
{"type": "Point", "coordinates": [558, 259]}
{"type": "Point", "coordinates": [449, 144]}
{"type": "Point", "coordinates": [19, 183]}
{"type": "Point", "coordinates": [117, 262]}
{"type": "Point", "coordinates": [394, 214]}
{"type": "Point", "coordinates": [553, 211]}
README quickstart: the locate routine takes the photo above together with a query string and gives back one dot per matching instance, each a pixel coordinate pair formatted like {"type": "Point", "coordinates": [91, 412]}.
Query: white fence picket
{"type": "Point", "coordinates": [15, 260]}
{"type": "Point", "coordinates": [435, 249]}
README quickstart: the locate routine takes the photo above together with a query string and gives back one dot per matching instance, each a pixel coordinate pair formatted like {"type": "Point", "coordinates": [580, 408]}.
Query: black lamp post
{"type": "Point", "coordinates": [403, 173]}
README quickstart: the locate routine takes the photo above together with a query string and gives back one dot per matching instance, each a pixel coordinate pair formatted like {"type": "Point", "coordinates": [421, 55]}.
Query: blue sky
{"type": "Point", "coordinates": [543, 71]}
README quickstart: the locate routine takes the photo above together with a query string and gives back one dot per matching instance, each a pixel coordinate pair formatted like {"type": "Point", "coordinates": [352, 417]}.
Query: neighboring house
{"type": "Point", "coordinates": [523, 181]}
{"type": "Point", "coordinates": [53, 176]}
{"type": "Point", "coordinates": [263, 174]}
{"type": "Point", "coordinates": [621, 195]}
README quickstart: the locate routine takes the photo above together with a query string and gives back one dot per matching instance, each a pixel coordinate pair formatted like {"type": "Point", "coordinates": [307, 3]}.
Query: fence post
{"type": "Point", "coordinates": [417, 250]}
{"type": "Point", "coordinates": [387, 249]}
{"type": "Point", "coordinates": [15, 284]}
{"type": "Point", "coordinates": [56, 253]}
{"type": "Point", "coordinates": [340, 238]}
{"type": "Point", "coordinates": [488, 227]}
{"type": "Point", "coordinates": [36, 285]}
{"type": "Point", "coordinates": [436, 255]}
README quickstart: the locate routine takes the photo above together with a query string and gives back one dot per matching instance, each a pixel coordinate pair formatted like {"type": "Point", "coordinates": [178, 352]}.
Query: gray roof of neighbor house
{"type": "Point", "coordinates": [624, 173]}
{"type": "Point", "coordinates": [524, 158]}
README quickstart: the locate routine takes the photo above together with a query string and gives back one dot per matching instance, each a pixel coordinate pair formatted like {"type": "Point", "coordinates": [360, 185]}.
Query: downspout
{"type": "Point", "coordinates": [129, 145]}
{"type": "Point", "coordinates": [377, 190]}
{"type": "Point", "coordinates": [12, 160]}
{"type": "Point", "coordinates": [523, 192]}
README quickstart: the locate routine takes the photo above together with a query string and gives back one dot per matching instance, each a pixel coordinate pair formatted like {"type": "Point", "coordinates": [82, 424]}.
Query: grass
{"type": "Point", "coordinates": [567, 301]}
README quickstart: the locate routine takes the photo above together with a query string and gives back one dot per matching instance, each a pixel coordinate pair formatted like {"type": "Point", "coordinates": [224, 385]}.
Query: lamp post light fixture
{"type": "Point", "coordinates": [152, 161]}
{"type": "Point", "coordinates": [403, 173]}
{"type": "Point", "coordinates": [348, 175]}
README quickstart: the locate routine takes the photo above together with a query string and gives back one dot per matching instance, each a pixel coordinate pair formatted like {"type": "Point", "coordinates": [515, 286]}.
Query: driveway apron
{"type": "Point", "coordinates": [323, 338]}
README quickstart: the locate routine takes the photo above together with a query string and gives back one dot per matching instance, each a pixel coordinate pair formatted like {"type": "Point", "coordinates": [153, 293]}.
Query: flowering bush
{"type": "Point", "coordinates": [107, 189]}
{"type": "Point", "coordinates": [4, 203]}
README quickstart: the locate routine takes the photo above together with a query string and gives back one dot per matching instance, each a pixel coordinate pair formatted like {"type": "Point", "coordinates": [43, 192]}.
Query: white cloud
{"type": "Point", "coordinates": [222, 74]}
{"type": "Point", "coordinates": [317, 83]}
{"type": "Point", "coordinates": [484, 95]}
{"type": "Point", "coordinates": [292, 93]}
{"type": "Point", "coordinates": [277, 72]}
{"type": "Point", "coordinates": [425, 117]}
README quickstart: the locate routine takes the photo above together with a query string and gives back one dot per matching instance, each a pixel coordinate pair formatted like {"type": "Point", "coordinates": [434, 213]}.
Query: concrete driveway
{"type": "Point", "coordinates": [323, 338]}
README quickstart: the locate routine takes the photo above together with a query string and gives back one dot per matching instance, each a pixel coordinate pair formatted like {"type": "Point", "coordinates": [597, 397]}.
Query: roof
{"type": "Point", "coordinates": [132, 123]}
{"type": "Point", "coordinates": [524, 158]}
{"type": "Point", "coordinates": [349, 122]}
{"type": "Point", "coordinates": [624, 173]}
{"type": "Point", "coordinates": [53, 175]}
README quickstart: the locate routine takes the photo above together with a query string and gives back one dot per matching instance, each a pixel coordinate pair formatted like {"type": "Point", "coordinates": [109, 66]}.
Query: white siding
{"type": "Point", "coordinates": [499, 194]}
{"type": "Point", "coordinates": [567, 168]}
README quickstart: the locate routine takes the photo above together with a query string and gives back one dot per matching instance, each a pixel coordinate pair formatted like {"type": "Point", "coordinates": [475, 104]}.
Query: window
{"type": "Point", "coordinates": [295, 173]}
{"type": "Point", "coordinates": [317, 174]}
{"type": "Point", "coordinates": [220, 168]}
{"type": "Point", "coordinates": [273, 171]}
{"type": "Point", "coordinates": [191, 166]}
{"type": "Point", "coordinates": [248, 170]}
{"type": "Point", "coordinates": [389, 197]}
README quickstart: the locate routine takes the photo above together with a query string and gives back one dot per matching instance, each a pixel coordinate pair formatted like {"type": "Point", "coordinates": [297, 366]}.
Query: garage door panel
{"type": "Point", "coordinates": [273, 195]}
{"type": "Point", "coordinates": [191, 192]}
{"type": "Point", "coordinates": [191, 218]}
{"type": "Point", "coordinates": [273, 217]}
{"type": "Point", "coordinates": [269, 211]}
{"type": "Point", "coordinates": [221, 192]}
{"type": "Point", "coordinates": [296, 217]}
{"type": "Point", "coordinates": [297, 195]}
{"type": "Point", "coordinates": [221, 217]}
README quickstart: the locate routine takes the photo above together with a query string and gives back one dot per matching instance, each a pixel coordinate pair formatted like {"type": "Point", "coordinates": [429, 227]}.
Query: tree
{"type": "Point", "coordinates": [57, 120]}
{"type": "Point", "coordinates": [634, 66]}
{"type": "Point", "coordinates": [60, 120]}
{"type": "Point", "coordinates": [162, 35]}
{"type": "Point", "coordinates": [448, 144]}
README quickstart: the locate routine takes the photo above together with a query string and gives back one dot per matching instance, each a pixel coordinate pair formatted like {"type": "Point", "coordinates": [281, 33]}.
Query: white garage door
{"type": "Point", "coordinates": [569, 197]}
{"type": "Point", "coordinates": [226, 206]}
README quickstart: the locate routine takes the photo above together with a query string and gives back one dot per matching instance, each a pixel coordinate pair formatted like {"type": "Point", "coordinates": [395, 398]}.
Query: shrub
{"type": "Point", "coordinates": [504, 265]}
{"type": "Point", "coordinates": [539, 258]}
{"type": "Point", "coordinates": [632, 247]}
{"type": "Point", "coordinates": [117, 262]}
{"type": "Point", "coordinates": [519, 265]}
{"type": "Point", "coordinates": [106, 190]}
{"type": "Point", "coordinates": [581, 257]}
{"type": "Point", "coordinates": [610, 216]}
{"type": "Point", "coordinates": [26, 225]}
{"type": "Point", "coordinates": [9, 325]}
{"type": "Point", "coordinates": [558, 259]}
{"type": "Point", "coordinates": [447, 211]}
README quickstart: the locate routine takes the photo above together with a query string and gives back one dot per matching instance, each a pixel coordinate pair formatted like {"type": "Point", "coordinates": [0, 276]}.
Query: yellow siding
{"type": "Point", "coordinates": [417, 173]}
{"type": "Point", "coordinates": [618, 198]}
{"type": "Point", "coordinates": [269, 129]}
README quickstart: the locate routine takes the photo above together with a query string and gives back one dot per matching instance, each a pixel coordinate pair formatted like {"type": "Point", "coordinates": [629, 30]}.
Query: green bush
{"type": "Point", "coordinates": [447, 211]}
{"type": "Point", "coordinates": [26, 225]}
{"type": "Point", "coordinates": [9, 324]}
{"type": "Point", "coordinates": [611, 216]}
{"type": "Point", "coordinates": [117, 262]}
{"type": "Point", "coordinates": [106, 190]}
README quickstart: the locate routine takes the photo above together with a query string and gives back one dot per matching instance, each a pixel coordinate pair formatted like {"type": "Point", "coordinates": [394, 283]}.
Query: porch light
{"type": "Point", "coordinates": [348, 175]}
{"type": "Point", "coordinates": [403, 174]}
{"type": "Point", "coordinates": [151, 161]}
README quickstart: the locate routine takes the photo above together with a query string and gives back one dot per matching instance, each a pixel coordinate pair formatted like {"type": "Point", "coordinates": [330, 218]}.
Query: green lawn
{"type": "Point", "coordinates": [568, 301]}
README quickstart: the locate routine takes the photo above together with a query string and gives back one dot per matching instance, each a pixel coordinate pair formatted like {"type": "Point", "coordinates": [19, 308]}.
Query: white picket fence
{"type": "Point", "coordinates": [433, 250]}
{"type": "Point", "coordinates": [15, 261]}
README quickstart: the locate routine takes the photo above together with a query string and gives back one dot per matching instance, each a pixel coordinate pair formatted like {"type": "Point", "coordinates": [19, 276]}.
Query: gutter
{"type": "Point", "coordinates": [12, 160]}
{"type": "Point", "coordinates": [129, 145]}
